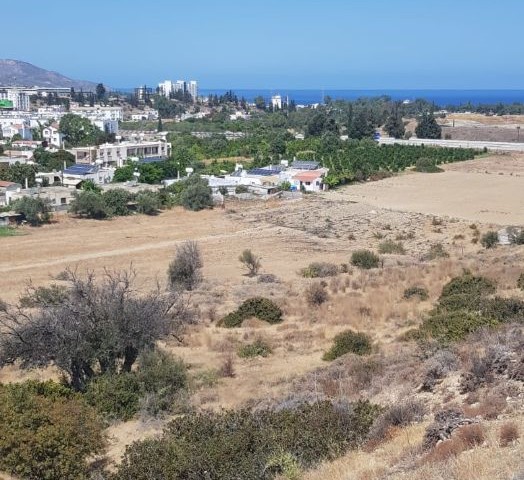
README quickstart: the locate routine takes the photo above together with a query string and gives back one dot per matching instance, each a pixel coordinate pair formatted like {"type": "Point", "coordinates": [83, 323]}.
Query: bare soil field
{"type": "Point", "coordinates": [488, 190]}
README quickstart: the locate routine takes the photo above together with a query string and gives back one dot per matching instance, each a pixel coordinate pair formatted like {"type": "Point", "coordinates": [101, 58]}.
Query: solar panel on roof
{"type": "Point", "coordinates": [305, 165]}
{"type": "Point", "coordinates": [261, 172]}
{"type": "Point", "coordinates": [151, 160]}
{"type": "Point", "coordinates": [80, 169]}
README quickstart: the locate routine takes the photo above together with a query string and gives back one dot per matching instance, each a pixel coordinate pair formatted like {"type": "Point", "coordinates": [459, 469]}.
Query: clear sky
{"type": "Point", "coordinates": [360, 44]}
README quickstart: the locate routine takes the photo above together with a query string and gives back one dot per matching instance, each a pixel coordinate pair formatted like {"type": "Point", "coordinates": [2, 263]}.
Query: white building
{"type": "Point", "coordinates": [166, 88]}
{"type": "Point", "coordinates": [12, 128]}
{"type": "Point", "coordinates": [99, 113]}
{"type": "Point", "coordinates": [117, 154]}
{"type": "Point", "coordinates": [52, 136]}
{"type": "Point", "coordinates": [276, 102]}
{"type": "Point", "coordinates": [73, 176]}
{"type": "Point", "coordinates": [18, 96]}
{"type": "Point", "coordinates": [192, 89]}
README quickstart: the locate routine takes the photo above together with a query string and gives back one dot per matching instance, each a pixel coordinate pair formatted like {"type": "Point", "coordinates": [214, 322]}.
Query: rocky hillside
{"type": "Point", "coordinates": [15, 72]}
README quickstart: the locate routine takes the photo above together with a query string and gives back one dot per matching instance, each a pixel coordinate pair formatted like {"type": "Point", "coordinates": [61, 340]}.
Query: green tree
{"type": "Point", "coordinates": [428, 127]}
{"type": "Point", "coordinates": [394, 125]}
{"type": "Point", "coordinates": [116, 201]}
{"type": "Point", "coordinates": [47, 432]}
{"type": "Point", "coordinates": [159, 127]}
{"type": "Point", "coordinates": [150, 173]}
{"type": "Point", "coordinates": [361, 126]}
{"type": "Point", "coordinates": [36, 211]}
{"type": "Point", "coordinates": [78, 130]}
{"type": "Point", "coordinates": [100, 91]}
{"type": "Point", "coordinates": [196, 193]}
{"type": "Point", "coordinates": [147, 203]}
{"type": "Point", "coordinates": [89, 204]}
{"type": "Point", "coordinates": [124, 174]}
{"type": "Point", "coordinates": [18, 173]}
{"type": "Point", "coordinates": [260, 103]}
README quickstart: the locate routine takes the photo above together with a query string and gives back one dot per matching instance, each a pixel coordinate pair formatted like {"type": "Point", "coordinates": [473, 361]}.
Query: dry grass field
{"type": "Point", "coordinates": [418, 210]}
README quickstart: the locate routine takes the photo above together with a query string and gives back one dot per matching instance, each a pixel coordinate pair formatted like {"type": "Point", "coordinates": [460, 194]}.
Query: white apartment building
{"type": "Point", "coordinates": [18, 96]}
{"type": "Point", "coordinates": [276, 102]}
{"type": "Point", "coordinates": [117, 154]}
{"type": "Point", "coordinates": [11, 126]}
{"type": "Point", "coordinates": [99, 113]}
{"type": "Point", "coordinates": [166, 88]}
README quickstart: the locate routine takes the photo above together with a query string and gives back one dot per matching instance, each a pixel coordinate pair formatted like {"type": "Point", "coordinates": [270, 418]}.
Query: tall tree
{"type": "Point", "coordinates": [394, 125]}
{"type": "Point", "coordinates": [428, 127]}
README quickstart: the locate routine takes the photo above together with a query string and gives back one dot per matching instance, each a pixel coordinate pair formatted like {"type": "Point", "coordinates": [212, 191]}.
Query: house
{"type": "Point", "coordinates": [22, 129]}
{"type": "Point", "coordinates": [58, 197]}
{"type": "Point", "coordinates": [75, 175]}
{"type": "Point", "coordinates": [53, 136]}
{"type": "Point", "coordinates": [6, 191]}
{"type": "Point", "coordinates": [310, 180]}
{"type": "Point", "coordinates": [304, 165]}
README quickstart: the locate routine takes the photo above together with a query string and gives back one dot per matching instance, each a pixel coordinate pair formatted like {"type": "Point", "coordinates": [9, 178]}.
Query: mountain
{"type": "Point", "coordinates": [15, 72]}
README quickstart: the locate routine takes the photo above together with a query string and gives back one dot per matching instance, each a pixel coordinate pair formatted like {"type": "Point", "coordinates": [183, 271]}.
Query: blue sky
{"type": "Point", "coordinates": [360, 44]}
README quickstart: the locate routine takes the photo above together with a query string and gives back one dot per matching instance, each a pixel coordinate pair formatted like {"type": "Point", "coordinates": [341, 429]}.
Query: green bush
{"type": "Point", "coordinates": [35, 211]}
{"type": "Point", "coordinates": [115, 396]}
{"type": "Point", "coordinates": [258, 348]}
{"type": "Point", "coordinates": [116, 201]}
{"type": "Point", "coordinates": [258, 307]}
{"type": "Point", "coordinates": [89, 204]}
{"type": "Point", "coordinates": [241, 189]}
{"type": "Point", "coordinates": [389, 246]}
{"type": "Point", "coordinates": [349, 342]}
{"type": "Point", "coordinates": [320, 270]}
{"type": "Point", "coordinates": [147, 203]}
{"type": "Point", "coordinates": [468, 284]}
{"type": "Point", "coordinates": [490, 239]}
{"type": "Point", "coordinates": [246, 445]}
{"type": "Point", "coordinates": [419, 292]}
{"type": "Point", "coordinates": [365, 259]}
{"type": "Point", "coordinates": [163, 379]}
{"type": "Point", "coordinates": [47, 432]}
{"type": "Point", "coordinates": [195, 193]}
{"type": "Point", "coordinates": [427, 165]}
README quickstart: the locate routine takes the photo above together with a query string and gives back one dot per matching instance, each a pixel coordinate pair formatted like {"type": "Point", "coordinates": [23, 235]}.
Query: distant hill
{"type": "Point", "coordinates": [15, 72]}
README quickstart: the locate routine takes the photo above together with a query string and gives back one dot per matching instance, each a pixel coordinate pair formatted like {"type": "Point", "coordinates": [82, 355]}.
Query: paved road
{"type": "Point", "coordinates": [493, 146]}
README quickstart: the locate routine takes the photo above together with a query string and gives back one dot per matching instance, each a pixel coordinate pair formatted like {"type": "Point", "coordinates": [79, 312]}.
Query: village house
{"type": "Point", "coordinates": [52, 136]}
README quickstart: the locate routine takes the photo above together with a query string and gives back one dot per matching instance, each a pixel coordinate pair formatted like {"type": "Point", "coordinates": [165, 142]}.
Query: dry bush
{"type": "Point", "coordinates": [227, 369]}
{"type": "Point", "coordinates": [437, 367]}
{"type": "Point", "coordinates": [471, 435]}
{"type": "Point", "coordinates": [509, 433]}
{"type": "Point", "coordinates": [489, 408]}
{"type": "Point", "coordinates": [396, 416]}
{"type": "Point", "coordinates": [316, 295]}
{"type": "Point", "coordinates": [445, 450]}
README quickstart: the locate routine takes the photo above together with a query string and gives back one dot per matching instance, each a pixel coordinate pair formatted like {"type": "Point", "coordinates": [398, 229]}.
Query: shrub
{"type": "Point", "coordinates": [427, 165]}
{"type": "Point", "coordinates": [349, 342]}
{"type": "Point", "coordinates": [258, 348]}
{"type": "Point", "coordinates": [116, 201]}
{"type": "Point", "coordinates": [163, 380]}
{"type": "Point", "coordinates": [227, 369]}
{"type": "Point", "coordinates": [469, 285]}
{"type": "Point", "coordinates": [241, 189]}
{"type": "Point", "coordinates": [365, 259]}
{"type": "Point", "coordinates": [436, 251]}
{"type": "Point", "coordinates": [250, 261]}
{"type": "Point", "coordinates": [419, 292]}
{"type": "Point", "coordinates": [89, 204]}
{"type": "Point", "coordinates": [320, 270]}
{"type": "Point", "coordinates": [35, 211]}
{"type": "Point", "coordinates": [489, 239]}
{"type": "Point", "coordinates": [258, 307]}
{"type": "Point", "coordinates": [52, 295]}
{"type": "Point", "coordinates": [316, 295]}
{"type": "Point", "coordinates": [391, 247]}
{"type": "Point", "coordinates": [268, 278]}
{"type": "Point", "coordinates": [185, 271]}
{"type": "Point", "coordinates": [471, 435]}
{"type": "Point", "coordinates": [195, 193]}
{"type": "Point", "coordinates": [401, 415]}
{"type": "Point", "coordinates": [517, 237]}
{"type": "Point", "coordinates": [47, 432]}
{"type": "Point", "coordinates": [115, 396]}
{"type": "Point", "coordinates": [147, 203]}
{"type": "Point", "coordinates": [509, 433]}
{"type": "Point", "coordinates": [244, 444]}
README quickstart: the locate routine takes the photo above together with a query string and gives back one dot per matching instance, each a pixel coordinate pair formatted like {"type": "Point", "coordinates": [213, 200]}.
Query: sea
{"type": "Point", "coordinates": [441, 98]}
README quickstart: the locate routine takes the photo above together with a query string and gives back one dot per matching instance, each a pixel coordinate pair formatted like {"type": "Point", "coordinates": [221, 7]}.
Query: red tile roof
{"type": "Point", "coordinates": [308, 176]}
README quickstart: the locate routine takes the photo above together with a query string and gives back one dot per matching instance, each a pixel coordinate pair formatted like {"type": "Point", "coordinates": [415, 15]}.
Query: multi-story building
{"type": "Point", "coordinates": [18, 97]}
{"type": "Point", "coordinates": [117, 154]}
{"type": "Point", "coordinates": [52, 136]}
{"type": "Point", "coordinates": [99, 113]}
{"type": "Point", "coordinates": [192, 89]}
{"type": "Point", "coordinates": [166, 88]}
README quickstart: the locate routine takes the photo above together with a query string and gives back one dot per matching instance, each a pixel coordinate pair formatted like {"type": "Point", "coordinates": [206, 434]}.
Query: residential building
{"type": "Point", "coordinates": [166, 88]}
{"type": "Point", "coordinates": [143, 93]}
{"type": "Point", "coordinates": [117, 154]}
{"type": "Point", "coordinates": [58, 197]}
{"type": "Point", "coordinates": [18, 97]}
{"type": "Point", "coordinates": [100, 113]}
{"type": "Point", "coordinates": [9, 130]}
{"type": "Point", "coordinates": [147, 114]}
{"type": "Point", "coordinates": [74, 176]}
{"type": "Point", "coordinates": [192, 89]}
{"type": "Point", "coordinates": [310, 180]}
{"type": "Point", "coordinates": [276, 102]}
{"type": "Point", "coordinates": [52, 136]}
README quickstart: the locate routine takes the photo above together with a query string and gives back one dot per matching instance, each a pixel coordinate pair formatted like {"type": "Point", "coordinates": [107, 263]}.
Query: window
{"type": "Point", "coordinates": [63, 201]}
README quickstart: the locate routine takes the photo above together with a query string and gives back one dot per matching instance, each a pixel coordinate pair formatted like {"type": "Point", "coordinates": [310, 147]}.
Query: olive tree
{"type": "Point", "coordinates": [97, 327]}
